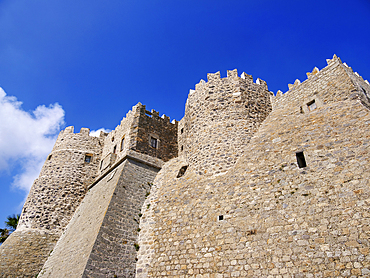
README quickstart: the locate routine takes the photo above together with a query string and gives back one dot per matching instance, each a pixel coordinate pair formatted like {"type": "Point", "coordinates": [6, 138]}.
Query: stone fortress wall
{"type": "Point", "coordinates": [254, 185]}
{"type": "Point", "coordinates": [54, 197]}
{"type": "Point", "coordinates": [70, 167]}
{"type": "Point", "coordinates": [135, 133]}
{"type": "Point", "coordinates": [269, 216]}
{"type": "Point", "coordinates": [221, 116]}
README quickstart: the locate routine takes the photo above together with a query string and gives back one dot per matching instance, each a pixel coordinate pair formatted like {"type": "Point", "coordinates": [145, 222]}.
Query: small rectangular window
{"type": "Point", "coordinates": [311, 105]}
{"type": "Point", "coordinates": [220, 217]}
{"type": "Point", "coordinates": [182, 130]}
{"type": "Point", "coordinates": [153, 142]}
{"type": "Point", "coordinates": [122, 143]}
{"type": "Point", "coordinates": [301, 160]}
{"type": "Point", "coordinates": [114, 149]}
{"type": "Point", "coordinates": [49, 157]}
{"type": "Point", "coordinates": [88, 158]}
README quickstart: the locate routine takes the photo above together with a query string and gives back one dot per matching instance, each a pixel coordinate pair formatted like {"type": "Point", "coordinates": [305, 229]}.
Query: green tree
{"type": "Point", "coordinates": [12, 222]}
{"type": "Point", "coordinates": [4, 233]}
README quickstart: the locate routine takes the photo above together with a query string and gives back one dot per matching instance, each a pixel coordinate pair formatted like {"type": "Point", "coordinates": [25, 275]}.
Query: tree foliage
{"type": "Point", "coordinates": [10, 224]}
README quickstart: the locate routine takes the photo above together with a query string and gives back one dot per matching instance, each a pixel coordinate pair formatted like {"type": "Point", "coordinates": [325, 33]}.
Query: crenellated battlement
{"type": "Point", "coordinates": [234, 104]}
{"type": "Point", "coordinates": [283, 176]}
{"type": "Point", "coordinates": [238, 84]}
{"type": "Point", "coordinates": [318, 83]}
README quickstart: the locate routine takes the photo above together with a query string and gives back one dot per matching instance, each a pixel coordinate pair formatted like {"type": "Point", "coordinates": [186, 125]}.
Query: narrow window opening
{"type": "Point", "coordinates": [220, 217]}
{"type": "Point", "coordinates": [301, 160]}
{"type": "Point", "coordinates": [182, 130]}
{"type": "Point", "coordinates": [311, 105]}
{"type": "Point", "coordinates": [49, 157]}
{"type": "Point", "coordinates": [153, 142]}
{"type": "Point", "coordinates": [301, 110]}
{"type": "Point", "coordinates": [88, 158]}
{"type": "Point", "coordinates": [182, 148]}
{"type": "Point", "coordinates": [114, 149]}
{"type": "Point", "coordinates": [182, 171]}
{"type": "Point", "coordinates": [101, 164]}
{"type": "Point", "coordinates": [112, 138]}
{"type": "Point", "coordinates": [122, 143]}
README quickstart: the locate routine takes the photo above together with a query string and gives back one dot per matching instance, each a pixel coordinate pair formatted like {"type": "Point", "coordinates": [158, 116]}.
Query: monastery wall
{"type": "Point", "coordinates": [53, 198]}
{"type": "Point", "coordinates": [63, 181]}
{"type": "Point", "coordinates": [136, 132]}
{"type": "Point", "coordinates": [221, 116]}
{"type": "Point", "coordinates": [101, 239]}
{"type": "Point", "coordinates": [271, 216]}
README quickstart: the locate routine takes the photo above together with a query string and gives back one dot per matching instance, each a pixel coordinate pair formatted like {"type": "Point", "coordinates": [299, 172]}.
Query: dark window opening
{"type": "Point", "coordinates": [88, 158]}
{"type": "Point", "coordinates": [122, 143]}
{"type": "Point", "coordinates": [101, 164]}
{"type": "Point", "coordinates": [112, 138]}
{"type": "Point", "coordinates": [301, 160]}
{"type": "Point", "coordinates": [182, 148]}
{"type": "Point", "coordinates": [311, 105]}
{"type": "Point", "coordinates": [182, 130]}
{"type": "Point", "coordinates": [301, 110]}
{"type": "Point", "coordinates": [153, 142]}
{"type": "Point", "coordinates": [49, 157]}
{"type": "Point", "coordinates": [220, 217]}
{"type": "Point", "coordinates": [182, 171]}
{"type": "Point", "coordinates": [114, 149]}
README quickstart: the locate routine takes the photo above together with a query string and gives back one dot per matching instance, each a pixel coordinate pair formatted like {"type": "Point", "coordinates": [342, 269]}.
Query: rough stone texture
{"type": "Point", "coordinates": [220, 118]}
{"type": "Point", "coordinates": [52, 200]}
{"type": "Point", "coordinates": [62, 182]}
{"type": "Point", "coordinates": [279, 220]}
{"type": "Point", "coordinates": [106, 222]}
{"type": "Point", "coordinates": [24, 252]}
{"type": "Point", "coordinates": [134, 133]}
{"type": "Point", "coordinates": [120, 228]}
{"type": "Point", "coordinates": [243, 207]}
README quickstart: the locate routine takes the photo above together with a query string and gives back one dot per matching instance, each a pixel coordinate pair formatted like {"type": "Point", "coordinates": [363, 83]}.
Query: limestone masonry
{"type": "Point", "coordinates": [247, 184]}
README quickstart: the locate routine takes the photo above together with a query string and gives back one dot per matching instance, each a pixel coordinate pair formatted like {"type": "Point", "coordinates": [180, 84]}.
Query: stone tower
{"type": "Point", "coordinates": [62, 184]}
{"type": "Point", "coordinates": [221, 116]}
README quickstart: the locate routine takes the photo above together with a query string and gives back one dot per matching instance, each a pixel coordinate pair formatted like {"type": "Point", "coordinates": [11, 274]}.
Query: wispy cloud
{"type": "Point", "coordinates": [96, 133]}
{"type": "Point", "coordinates": [26, 137]}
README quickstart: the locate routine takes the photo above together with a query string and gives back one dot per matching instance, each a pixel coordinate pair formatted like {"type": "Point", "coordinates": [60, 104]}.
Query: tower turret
{"type": "Point", "coordinates": [70, 167]}
{"type": "Point", "coordinates": [221, 116]}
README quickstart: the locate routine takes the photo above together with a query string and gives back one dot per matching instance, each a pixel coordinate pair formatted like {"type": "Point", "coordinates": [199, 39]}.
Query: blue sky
{"type": "Point", "coordinates": [86, 63]}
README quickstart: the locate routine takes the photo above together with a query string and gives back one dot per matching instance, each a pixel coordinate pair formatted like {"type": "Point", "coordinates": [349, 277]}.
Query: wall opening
{"type": "Point", "coordinates": [182, 148]}
{"type": "Point", "coordinates": [220, 217]}
{"type": "Point", "coordinates": [115, 149]}
{"type": "Point", "coordinates": [88, 158]}
{"type": "Point", "coordinates": [301, 160]}
{"type": "Point", "coordinates": [182, 130]}
{"type": "Point", "coordinates": [49, 157]}
{"type": "Point", "coordinates": [311, 105]}
{"type": "Point", "coordinates": [153, 142]}
{"type": "Point", "coordinates": [122, 143]}
{"type": "Point", "coordinates": [182, 171]}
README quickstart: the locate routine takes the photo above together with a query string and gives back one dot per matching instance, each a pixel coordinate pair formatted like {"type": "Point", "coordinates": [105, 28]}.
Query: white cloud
{"type": "Point", "coordinates": [96, 133]}
{"type": "Point", "coordinates": [26, 138]}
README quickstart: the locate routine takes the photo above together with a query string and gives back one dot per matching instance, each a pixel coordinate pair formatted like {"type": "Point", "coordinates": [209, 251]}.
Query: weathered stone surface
{"type": "Point", "coordinates": [106, 222]}
{"type": "Point", "coordinates": [278, 220]}
{"type": "Point", "coordinates": [263, 186]}
{"type": "Point", "coordinates": [25, 251]}
{"type": "Point", "coordinates": [221, 116]}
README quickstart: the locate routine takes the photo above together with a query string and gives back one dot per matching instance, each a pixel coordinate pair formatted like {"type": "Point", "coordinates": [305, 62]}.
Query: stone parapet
{"type": "Point", "coordinates": [221, 116]}
{"type": "Point", "coordinates": [70, 167]}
